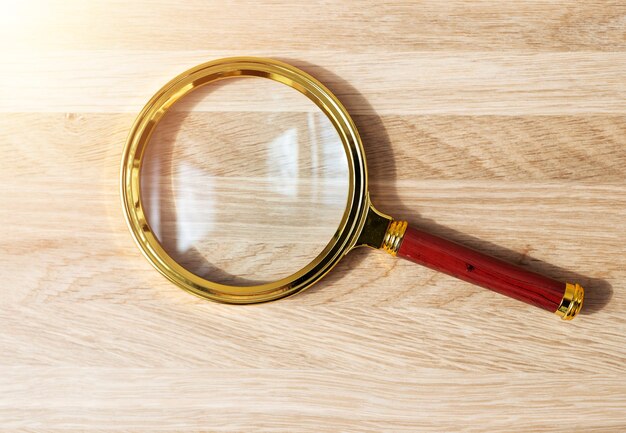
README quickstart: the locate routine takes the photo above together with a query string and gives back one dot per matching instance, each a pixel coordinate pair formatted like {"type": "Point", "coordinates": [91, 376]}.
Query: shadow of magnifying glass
{"type": "Point", "coordinates": [382, 175]}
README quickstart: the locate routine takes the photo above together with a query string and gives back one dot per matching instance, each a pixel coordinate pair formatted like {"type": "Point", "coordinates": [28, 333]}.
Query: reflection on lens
{"type": "Point", "coordinates": [245, 181]}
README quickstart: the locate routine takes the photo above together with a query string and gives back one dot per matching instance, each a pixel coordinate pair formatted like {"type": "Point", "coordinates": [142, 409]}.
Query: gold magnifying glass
{"type": "Point", "coordinates": [244, 180]}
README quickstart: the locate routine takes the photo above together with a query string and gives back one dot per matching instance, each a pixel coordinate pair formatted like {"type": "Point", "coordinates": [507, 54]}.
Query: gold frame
{"type": "Point", "coordinates": [358, 213]}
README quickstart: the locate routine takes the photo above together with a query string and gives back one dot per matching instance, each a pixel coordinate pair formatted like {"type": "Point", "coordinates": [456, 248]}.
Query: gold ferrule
{"type": "Point", "coordinates": [393, 236]}
{"type": "Point", "coordinates": [572, 301]}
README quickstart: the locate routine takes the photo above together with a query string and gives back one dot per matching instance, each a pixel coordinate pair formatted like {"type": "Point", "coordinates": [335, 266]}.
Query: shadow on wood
{"type": "Point", "coordinates": [598, 292]}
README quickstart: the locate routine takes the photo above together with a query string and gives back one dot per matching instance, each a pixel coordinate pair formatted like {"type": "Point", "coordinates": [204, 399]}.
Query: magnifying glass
{"type": "Point", "coordinates": [244, 180]}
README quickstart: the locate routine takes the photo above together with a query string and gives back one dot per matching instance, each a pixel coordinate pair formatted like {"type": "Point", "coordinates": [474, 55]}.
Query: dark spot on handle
{"type": "Point", "coordinates": [469, 267]}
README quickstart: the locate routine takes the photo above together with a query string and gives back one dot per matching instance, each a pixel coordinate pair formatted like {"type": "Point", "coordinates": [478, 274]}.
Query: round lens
{"type": "Point", "coordinates": [245, 181]}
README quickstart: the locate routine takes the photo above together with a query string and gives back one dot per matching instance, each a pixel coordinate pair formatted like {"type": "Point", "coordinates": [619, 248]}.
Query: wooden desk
{"type": "Point", "coordinates": [498, 124]}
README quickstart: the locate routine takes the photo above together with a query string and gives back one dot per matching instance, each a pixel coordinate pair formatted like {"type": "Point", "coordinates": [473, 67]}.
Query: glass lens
{"type": "Point", "coordinates": [244, 181]}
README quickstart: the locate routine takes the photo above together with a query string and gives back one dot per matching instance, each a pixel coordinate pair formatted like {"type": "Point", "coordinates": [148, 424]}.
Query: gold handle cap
{"type": "Point", "coordinates": [572, 301]}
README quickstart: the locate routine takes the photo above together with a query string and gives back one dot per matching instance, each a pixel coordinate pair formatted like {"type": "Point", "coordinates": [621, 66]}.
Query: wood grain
{"type": "Point", "coordinates": [432, 25]}
{"type": "Point", "coordinates": [466, 83]}
{"type": "Point", "coordinates": [501, 125]}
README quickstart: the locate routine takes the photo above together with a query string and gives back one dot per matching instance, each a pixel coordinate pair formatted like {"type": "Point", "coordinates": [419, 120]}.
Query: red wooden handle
{"type": "Point", "coordinates": [480, 269]}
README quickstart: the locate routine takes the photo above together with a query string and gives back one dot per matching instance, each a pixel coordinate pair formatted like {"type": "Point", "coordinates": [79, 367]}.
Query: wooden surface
{"type": "Point", "coordinates": [498, 124]}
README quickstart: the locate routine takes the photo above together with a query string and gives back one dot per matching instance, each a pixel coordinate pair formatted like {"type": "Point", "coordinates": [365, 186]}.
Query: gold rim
{"type": "Point", "coordinates": [357, 204]}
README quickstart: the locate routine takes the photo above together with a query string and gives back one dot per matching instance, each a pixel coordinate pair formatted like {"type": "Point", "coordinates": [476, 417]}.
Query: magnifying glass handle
{"type": "Point", "coordinates": [564, 299]}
